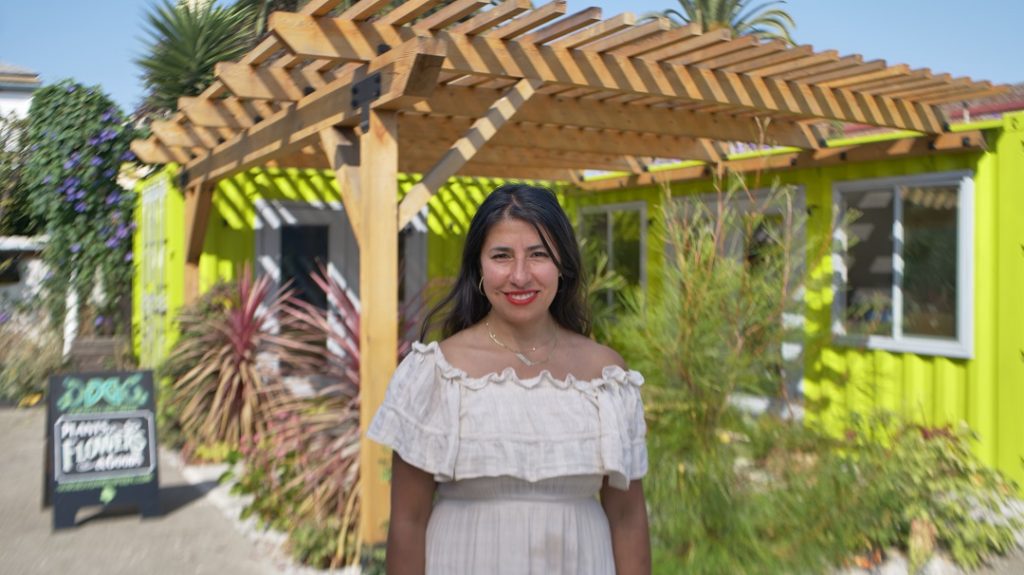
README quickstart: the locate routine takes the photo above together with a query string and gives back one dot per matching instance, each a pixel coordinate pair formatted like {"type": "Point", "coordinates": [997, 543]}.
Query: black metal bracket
{"type": "Point", "coordinates": [364, 92]}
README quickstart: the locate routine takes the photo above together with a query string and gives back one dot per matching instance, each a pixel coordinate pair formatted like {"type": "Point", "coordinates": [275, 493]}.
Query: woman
{"type": "Point", "coordinates": [516, 420]}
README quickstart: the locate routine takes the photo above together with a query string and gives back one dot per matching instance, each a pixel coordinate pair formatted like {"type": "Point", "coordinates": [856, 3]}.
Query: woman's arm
{"type": "Point", "coordinates": [412, 498]}
{"type": "Point", "coordinates": [627, 517]}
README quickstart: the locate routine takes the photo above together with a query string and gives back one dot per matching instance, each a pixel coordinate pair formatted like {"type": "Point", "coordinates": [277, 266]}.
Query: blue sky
{"type": "Point", "coordinates": [96, 41]}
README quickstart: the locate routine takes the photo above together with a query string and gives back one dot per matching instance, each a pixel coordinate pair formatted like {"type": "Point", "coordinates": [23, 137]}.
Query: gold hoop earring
{"type": "Point", "coordinates": [480, 286]}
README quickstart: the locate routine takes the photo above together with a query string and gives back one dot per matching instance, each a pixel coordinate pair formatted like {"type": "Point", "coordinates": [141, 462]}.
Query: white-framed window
{"type": "Point", "coordinates": [619, 231]}
{"type": "Point", "coordinates": [902, 269]}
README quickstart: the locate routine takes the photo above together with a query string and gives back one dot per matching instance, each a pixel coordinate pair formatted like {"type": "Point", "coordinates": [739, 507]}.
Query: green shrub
{"type": "Point", "coordinates": [927, 480]}
{"type": "Point", "coordinates": [30, 352]}
{"type": "Point", "coordinates": [729, 493]}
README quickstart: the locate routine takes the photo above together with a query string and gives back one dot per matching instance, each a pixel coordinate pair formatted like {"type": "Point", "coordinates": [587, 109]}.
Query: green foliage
{"type": "Point", "coordinates": [183, 43]}
{"type": "Point", "coordinates": [718, 326]}
{"type": "Point", "coordinates": [192, 322]}
{"type": "Point", "coordinates": [262, 9]}
{"type": "Point", "coordinates": [736, 15]}
{"type": "Point", "coordinates": [78, 139]}
{"type": "Point", "coordinates": [303, 473]}
{"type": "Point", "coordinates": [729, 493]}
{"type": "Point", "coordinates": [928, 480]}
{"type": "Point", "coordinates": [30, 352]}
{"type": "Point", "coordinates": [221, 396]}
{"type": "Point", "coordinates": [15, 217]}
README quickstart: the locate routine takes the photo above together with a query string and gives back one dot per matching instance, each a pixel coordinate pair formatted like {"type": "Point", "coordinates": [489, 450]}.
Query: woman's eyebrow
{"type": "Point", "coordinates": [508, 249]}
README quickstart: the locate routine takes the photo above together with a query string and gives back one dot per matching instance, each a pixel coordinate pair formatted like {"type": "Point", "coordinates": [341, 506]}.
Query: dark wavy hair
{"type": "Point", "coordinates": [464, 305]}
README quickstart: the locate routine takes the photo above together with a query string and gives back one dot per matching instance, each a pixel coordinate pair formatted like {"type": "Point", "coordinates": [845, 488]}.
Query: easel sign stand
{"type": "Point", "coordinates": [101, 446]}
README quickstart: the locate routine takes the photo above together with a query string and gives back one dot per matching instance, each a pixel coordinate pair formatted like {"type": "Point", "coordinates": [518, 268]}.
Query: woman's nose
{"type": "Point", "coordinates": [520, 272]}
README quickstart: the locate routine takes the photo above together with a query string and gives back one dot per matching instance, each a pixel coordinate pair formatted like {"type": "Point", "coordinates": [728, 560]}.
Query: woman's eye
{"type": "Point", "coordinates": [540, 254]}
{"type": "Point", "coordinates": [500, 257]}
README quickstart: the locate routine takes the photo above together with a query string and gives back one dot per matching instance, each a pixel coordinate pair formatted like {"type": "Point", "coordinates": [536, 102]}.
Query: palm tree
{"type": "Point", "coordinates": [764, 20]}
{"type": "Point", "coordinates": [261, 9]}
{"type": "Point", "coordinates": [184, 42]}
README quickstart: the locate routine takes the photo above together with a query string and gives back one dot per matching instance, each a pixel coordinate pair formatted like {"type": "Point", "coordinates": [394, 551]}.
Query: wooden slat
{"type": "Point", "coordinates": [496, 16]}
{"type": "Point", "coordinates": [298, 125]}
{"type": "Point", "coordinates": [854, 82]}
{"type": "Point", "coordinates": [687, 45]}
{"type": "Point", "coordinates": [564, 27]}
{"type": "Point", "coordinates": [465, 148]}
{"type": "Point", "coordinates": [636, 34]}
{"type": "Point", "coordinates": [595, 32]}
{"type": "Point", "coordinates": [903, 79]}
{"type": "Point", "coordinates": [744, 55]}
{"type": "Point", "coordinates": [667, 38]}
{"type": "Point", "coordinates": [448, 15]}
{"type": "Point", "coordinates": [966, 96]}
{"type": "Point", "coordinates": [549, 109]}
{"type": "Point", "coordinates": [249, 82]}
{"type": "Point", "coordinates": [210, 113]}
{"type": "Point", "coordinates": [754, 66]}
{"type": "Point", "coordinates": [908, 147]}
{"type": "Point", "coordinates": [525, 23]}
{"type": "Point", "coordinates": [564, 138]}
{"type": "Point", "coordinates": [707, 52]}
{"type": "Point", "coordinates": [798, 64]}
{"type": "Point", "coordinates": [152, 151]}
{"type": "Point", "coordinates": [818, 69]}
{"type": "Point", "coordinates": [321, 7]}
{"type": "Point", "coordinates": [363, 10]}
{"type": "Point", "coordinates": [408, 11]}
{"type": "Point", "coordinates": [177, 135]}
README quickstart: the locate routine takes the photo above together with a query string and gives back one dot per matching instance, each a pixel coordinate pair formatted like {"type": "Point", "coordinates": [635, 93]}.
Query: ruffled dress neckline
{"type": "Point", "coordinates": [609, 373]}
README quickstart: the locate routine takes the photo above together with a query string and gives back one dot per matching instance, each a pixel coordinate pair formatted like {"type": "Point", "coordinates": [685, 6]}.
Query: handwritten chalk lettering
{"type": "Point", "coordinates": [78, 394]}
{"type": "Point", "coordinates": [103, 445]}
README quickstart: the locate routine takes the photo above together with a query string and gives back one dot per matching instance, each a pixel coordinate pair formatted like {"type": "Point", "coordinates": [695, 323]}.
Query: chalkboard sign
{"type": "Point", "coordinates": [101, 443]}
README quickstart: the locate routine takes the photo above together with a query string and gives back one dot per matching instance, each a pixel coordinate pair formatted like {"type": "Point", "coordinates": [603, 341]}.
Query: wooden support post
{"type": "Point", "coordinates": [342, 149]}
{"type": "Point", "coordinates": [378, 292]}
{"type": "Point", "coordinates": [191, 281]}
{"type": "Point", "coordinates": [198, 202]}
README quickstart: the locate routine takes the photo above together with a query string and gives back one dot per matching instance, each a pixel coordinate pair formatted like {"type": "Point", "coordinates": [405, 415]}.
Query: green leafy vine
{"type": "Point", "coordinates": [78, 139]}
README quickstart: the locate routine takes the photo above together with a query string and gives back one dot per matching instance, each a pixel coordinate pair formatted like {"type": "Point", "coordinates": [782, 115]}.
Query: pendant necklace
{"type": "Point", "coordinates": [520, 355]}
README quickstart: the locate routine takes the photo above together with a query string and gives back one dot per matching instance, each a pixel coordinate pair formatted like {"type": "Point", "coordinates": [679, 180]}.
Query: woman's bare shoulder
{"type": "Point", "coordinates": [463, 347]}
{"type": "Point", "coordinates": [592, 352]}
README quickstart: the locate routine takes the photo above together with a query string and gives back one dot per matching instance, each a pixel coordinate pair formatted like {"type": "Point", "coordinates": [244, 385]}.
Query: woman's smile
{"type": "Point", "coordinates": [521, 297]}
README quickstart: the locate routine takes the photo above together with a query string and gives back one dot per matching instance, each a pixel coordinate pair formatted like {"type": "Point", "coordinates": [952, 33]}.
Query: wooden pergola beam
{"type": "Point", "coordinates": [579, 67]}
{"type": "Point", "coordinates": [212, 113]}
{"type": "Point", "coordinates": [904, 147]}
{"type": "Point", "coordinates": [465, 148]}
{"type": "Point", "coordinates": [546, 137]}
{"type": "Point", "coordinates": [402, 75]}
{"type": "Point", "coordinates": [153, 151]}
{"type": "Point", "coordinates": [551, 110]}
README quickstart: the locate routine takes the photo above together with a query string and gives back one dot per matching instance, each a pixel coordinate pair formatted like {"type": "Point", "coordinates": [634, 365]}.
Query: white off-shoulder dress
{"type": "Point", "coordinates": [519, 462]}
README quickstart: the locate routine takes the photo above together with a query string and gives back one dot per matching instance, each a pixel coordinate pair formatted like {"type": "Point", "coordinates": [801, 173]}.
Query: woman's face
{"type": "Point", "coordinates": [520, 276]}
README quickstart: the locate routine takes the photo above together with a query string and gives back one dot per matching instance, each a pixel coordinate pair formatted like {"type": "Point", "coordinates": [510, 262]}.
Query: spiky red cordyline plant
{"type": "Point", "coordinates": [322, 431]}
{"type": "Point", "coordinates": [221, 398]}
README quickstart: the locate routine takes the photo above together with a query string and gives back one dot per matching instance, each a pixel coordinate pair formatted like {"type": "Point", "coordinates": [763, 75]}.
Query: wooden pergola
{"type": "Point", "coordinates": [442, 88]}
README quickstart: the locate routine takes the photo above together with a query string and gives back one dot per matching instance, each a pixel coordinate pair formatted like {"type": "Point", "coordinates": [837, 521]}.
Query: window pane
{"type": "Point", "coordinates": [303, 250]}
{"type": "Point", "coordinates": [930, 260]}
{"type": "Point", "coordinates": [626, 245]}
{"type": "Point", "coordinates": [869, 262]}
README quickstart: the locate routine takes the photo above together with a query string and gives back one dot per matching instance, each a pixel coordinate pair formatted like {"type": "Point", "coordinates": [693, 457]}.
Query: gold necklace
{"type": "Point", "coordinates": [520, 355]}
